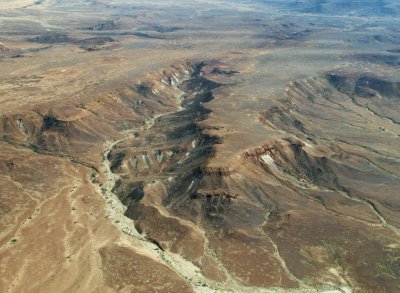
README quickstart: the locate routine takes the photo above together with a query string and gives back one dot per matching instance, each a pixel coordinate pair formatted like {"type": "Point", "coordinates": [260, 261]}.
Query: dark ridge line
{"type": "Point", "coordinates": [155, 242]}
{"type": "Point", "coordinates": [298, 190]}
{"type": "Point", "coordinates": [374, 164]}
{"type": "Point", "coordinates": [344, 190]}
{"type": "Point", "coordinates": [36, 150]}
{"type": "Point", "coordinates": [367, 148]}
{"type": "Point", "coordinates": [35, 3]}
{"type": "Point", "coordinates": [326, 97]}
{"type": "Point", "coordinates": [373, 207]}
{"type": "Point", "coordinates": [379, 115]}
{"type": "Point", "coordinates": [352, 99]}
{"type": "Point", "coordinates": [341, 190]}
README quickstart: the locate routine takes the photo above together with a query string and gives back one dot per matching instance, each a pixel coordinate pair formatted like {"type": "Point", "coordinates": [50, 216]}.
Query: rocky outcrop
{"type": "Point", "coordinates": [51, 38]}
{"type": "Point", "coordinates": [105, 26]}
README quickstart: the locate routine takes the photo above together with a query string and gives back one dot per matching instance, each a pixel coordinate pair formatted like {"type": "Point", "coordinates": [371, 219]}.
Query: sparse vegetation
{"type": "Point", "coordinates": [272, 165]}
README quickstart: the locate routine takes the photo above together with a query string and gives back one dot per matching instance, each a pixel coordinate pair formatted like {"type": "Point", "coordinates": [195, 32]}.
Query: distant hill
{"type": "Point", "coordinates": [342, 7]}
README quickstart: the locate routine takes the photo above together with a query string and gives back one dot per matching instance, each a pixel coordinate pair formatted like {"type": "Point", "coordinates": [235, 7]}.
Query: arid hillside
{"type": "Point", "coordinates": [201, 146]}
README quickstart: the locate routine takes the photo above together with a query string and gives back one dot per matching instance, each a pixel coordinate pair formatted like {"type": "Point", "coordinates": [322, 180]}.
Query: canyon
{"type": "Point", "coordinates": [203, 146]}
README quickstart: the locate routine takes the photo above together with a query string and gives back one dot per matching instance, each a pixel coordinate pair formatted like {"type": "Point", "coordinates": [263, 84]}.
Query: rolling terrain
{"type": "Point", "coordinates": [202, 146]}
